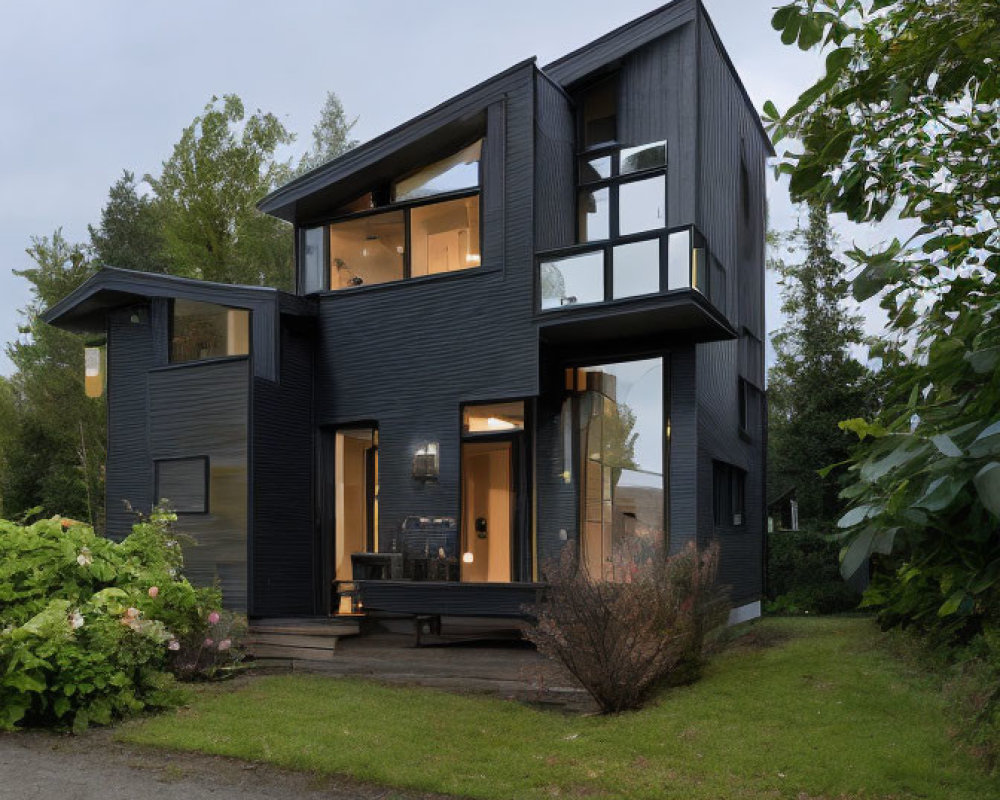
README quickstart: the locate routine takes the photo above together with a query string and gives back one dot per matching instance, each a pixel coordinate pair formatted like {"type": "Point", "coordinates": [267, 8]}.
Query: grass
{"type": "Point", "coordinates": [825, 712]}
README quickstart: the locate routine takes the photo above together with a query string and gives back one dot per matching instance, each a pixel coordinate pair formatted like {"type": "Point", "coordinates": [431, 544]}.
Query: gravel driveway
{"type": "Point", "coordinates": [42, 766]}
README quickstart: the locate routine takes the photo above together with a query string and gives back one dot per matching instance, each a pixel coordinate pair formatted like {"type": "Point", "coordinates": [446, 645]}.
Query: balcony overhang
{"type": "Point", "coordinates": [681, 314]}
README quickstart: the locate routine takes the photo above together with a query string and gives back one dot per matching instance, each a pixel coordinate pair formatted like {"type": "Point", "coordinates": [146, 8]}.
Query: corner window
{"type": "Point", "coordinates": [413, 237]}
{"type": "Point", "coordinates": [728, 495]}
{"type": "Point", "coordinates": [201, 331]}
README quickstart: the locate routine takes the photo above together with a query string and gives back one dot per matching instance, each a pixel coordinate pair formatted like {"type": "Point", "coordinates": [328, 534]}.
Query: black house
{"type": "Point", "coordinates": [532, 315]}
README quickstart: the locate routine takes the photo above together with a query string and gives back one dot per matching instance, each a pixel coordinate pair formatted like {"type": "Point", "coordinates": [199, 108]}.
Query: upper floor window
{"type": "Point", "coordinates": [415, 235]}
{"type": "Point", "coordinates": [204, 330]}
{"type": "Point", "coordinates": [599, 114]}
{"type": "Point", "coordinates": [622, 192]}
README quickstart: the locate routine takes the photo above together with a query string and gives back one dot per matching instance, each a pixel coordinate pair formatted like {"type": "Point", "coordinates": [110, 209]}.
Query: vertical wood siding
{"type": "Point", "coordinates": [555, 174]}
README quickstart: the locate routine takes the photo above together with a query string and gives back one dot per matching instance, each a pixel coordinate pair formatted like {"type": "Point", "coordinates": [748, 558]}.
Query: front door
{"type": "Point", "coordinates": [487, 510]}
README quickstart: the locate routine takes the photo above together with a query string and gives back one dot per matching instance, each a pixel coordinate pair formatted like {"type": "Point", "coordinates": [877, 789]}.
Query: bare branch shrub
{"type": "Point", "coordinates": [624, 638]}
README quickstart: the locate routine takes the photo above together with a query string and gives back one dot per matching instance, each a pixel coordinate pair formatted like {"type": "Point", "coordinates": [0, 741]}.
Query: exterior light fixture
{"type": "Point", "coordinates": [426, 465]}
{"type": "Point", "coordinates": [468, 558]}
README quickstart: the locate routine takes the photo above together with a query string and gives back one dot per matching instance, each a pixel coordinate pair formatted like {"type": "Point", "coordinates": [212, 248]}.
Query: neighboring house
{"type": "Point", "coordinates": [532, 315]}
{"type": "Point", "coordinates": [783, 512]}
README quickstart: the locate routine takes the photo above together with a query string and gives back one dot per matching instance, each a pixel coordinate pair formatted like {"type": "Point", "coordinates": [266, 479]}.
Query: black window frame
{"type": "Point", "coordinates": [728, 495]}
{"type": "Point", "coordinates": [381, 198]}
{"type": "Point", "coordinates": [170, 362]}
{"type": "Point", "coordinates": [206, 466]}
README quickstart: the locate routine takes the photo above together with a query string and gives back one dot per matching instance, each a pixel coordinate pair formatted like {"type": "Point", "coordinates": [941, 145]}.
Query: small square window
{"type": "Point", "coordinates": [182, 483]}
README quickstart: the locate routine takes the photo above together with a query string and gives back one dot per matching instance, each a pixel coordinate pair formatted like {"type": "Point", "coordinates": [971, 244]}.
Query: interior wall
{"type": "Point", "coordinates": [487, 492]}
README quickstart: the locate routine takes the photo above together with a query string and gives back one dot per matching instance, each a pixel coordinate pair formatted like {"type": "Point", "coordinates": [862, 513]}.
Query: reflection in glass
{"type": "Point", "coordinates": [206, 330]}
{"type": "Point", "coordinates": [636, 269]}
{"type": "Point", "coordinates": [699, 270]}
{"type": "Point", "coordinates": [595, 169]}
{"type": "Point", "coordinates": [493, 417]}
{"type": "Point", "coordinates": [621, 453]}
{"type": "Point", "coordinates": [679, 260]}
{"type": "Point", "coordinates": [642, 205]}
{"type": "Point", "coordinates": [458, 171]}
{"type": "Point", "coordinates": [444, 237]}
{"type": "Point", "coordinates": [645, 156]}
{"type": "Point", "coordinates": [594, 217]}
{"type": "Point", "coordinates": [367, 250]}
{"type": "Point", "coordinates": [313, 270]}
{"type": "Point", "coordinates": [572, 280]}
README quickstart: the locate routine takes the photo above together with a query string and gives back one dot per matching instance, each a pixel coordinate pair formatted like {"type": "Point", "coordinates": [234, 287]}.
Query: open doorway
{"type": "Point", "coordinates": [487, 511]}
{"type": "Point", "coordinates": [356, 497]}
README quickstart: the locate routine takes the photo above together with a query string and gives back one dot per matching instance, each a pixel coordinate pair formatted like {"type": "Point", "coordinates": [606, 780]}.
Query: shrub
{"type": "Point", "coordinates": [803, 575]}
{"type": "Point", "coordinates": [623, 639]}
{"type": "Point", "coordinates": [90, 629]}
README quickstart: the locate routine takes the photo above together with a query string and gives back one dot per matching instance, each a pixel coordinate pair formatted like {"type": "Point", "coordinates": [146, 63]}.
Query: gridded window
{"type": "Point", "coordinates": [728, 494]}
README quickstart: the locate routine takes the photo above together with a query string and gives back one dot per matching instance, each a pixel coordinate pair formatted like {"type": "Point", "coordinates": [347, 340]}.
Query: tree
{"type": "Point", "coordinates": [331, 135]}
{"type": "Point", "coordinates": [815, 381]}
{"type": "Point", "coordinates": [905, 121]}
{"type": "Point", "coordinates": [222, 166]}
{"type": "Point", "coordinates": [55, 453]}
{"type": "Point", "coordinates": [130, 233]}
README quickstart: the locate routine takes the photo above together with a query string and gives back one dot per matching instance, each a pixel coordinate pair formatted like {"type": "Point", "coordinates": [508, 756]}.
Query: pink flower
{"type": "Point", "coordinates": [173, 644]}
{"type": "Point", "coordinates": [225, 644]}
{"type": "Point", "coordinates": [154, 590]}
{"type": "Point", "coordinates": [132, 613]}
{"type": "Point", "coordinates": [214, 618]}
{"type": "Point", "coordinates": [209, 642]}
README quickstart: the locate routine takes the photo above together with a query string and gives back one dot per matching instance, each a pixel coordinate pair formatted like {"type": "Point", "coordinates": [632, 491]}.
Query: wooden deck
{"type": "Point", "coordinates": [449, 598]}
{"type": "Point", "coordinates": [308, 639]}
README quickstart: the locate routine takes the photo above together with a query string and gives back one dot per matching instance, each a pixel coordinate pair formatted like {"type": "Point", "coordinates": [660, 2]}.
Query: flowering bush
{"type": "Point", "coordinates": [625, 637]}
{"type": "Point", "coordinates": [91, 629]}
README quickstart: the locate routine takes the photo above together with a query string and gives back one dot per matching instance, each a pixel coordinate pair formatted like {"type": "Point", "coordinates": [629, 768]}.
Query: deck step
{"type": "Point", "coordinates": [292, 653]}
{"type": "Point", "coordinates": [339, 628]}
{"type": "Point", "coordinates": [298, 639]}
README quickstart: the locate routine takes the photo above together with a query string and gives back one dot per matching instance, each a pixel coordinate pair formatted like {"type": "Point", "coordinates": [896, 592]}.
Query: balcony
{"type": "Point", "coordinates": [636, 286]}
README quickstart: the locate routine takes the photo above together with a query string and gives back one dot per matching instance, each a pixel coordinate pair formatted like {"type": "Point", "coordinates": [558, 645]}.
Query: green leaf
{"type": "Point", "coordinates": [770, 111]}
{"type": "Point", "coordinates": [854, 555]}
{"type": "Point", "coordinates": [863, 428]}
{"type": "Point", "coordinates": [940, 493]}
{"type": "Point", "coordinates": [908, 449]}
{"type": "Point", "coordinates": [987, 483]}
{"type": "Point", "coordinates": [883, 540]}
{"type": "Point", "coordinates": [810, 32]}
{"type": "Point", "coordinates": [984, 361]}
{"type": "Point", "coordinates": [857, 515]}
{"type": "Point", "coordinates": [837, 59]}
{"type": "Point", "coordinates": [791, 30]}
{"type": "Point", "coordinates": [952, 604]}
{"type": "Point", "coordinates": [947, 447]}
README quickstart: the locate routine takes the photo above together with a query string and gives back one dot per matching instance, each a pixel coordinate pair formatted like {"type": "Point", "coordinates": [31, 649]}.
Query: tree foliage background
{"type": "Point", "coordinates": [196, 218]}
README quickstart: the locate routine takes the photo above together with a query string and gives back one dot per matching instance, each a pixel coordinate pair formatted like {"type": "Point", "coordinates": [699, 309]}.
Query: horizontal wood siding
{"type": "Point", "coordinates": [458, 599]}
{"type": "Point", "coordinates": [201, 410]}
{"type": "Point", "coordinates": [283, 534]}
{"type": "Point", "coordinates": [406, 356]}
{"type": "Point", "coordinates": [128, 476]}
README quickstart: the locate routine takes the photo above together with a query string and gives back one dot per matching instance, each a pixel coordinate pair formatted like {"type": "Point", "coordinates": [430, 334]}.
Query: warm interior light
{"type": "Point", "coordinates": [499, 424]}
{"type": "Point", "coordinates": [468, 558]}
{"type": "Point", "coordinates": [472, 259]}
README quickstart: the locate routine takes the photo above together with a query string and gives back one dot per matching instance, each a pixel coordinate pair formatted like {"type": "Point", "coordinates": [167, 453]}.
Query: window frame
{"type": "Point", "coordinates": [170, 362]}
{"type": "Point", "coordinates": [732, 504]}
{"type": "Point", "coordinates": [613, 183]}
{"type": "Point", "coordinates": [381, 196]}
{"type": "Point", "coordinates": [207, 464]}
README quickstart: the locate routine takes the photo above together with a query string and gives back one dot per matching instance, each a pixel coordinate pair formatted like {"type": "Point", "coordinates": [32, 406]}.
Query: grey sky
{"type": "Point", "coordinates": [89, 89]}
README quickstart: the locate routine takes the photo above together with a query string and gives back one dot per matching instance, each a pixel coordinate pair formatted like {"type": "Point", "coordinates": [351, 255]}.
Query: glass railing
{"type": "Point", "coordinates": [636, 266]}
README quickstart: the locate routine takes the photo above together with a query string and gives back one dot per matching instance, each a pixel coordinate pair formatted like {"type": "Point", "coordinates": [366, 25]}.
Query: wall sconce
{"type": "Point", "coordinates": [468, 558]}
{"type": "Point", "coordinates": [426, 465]}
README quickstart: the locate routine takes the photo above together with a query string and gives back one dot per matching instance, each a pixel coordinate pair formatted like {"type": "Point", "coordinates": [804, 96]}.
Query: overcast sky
{"type": "Point", "coordinates": [88, 89]}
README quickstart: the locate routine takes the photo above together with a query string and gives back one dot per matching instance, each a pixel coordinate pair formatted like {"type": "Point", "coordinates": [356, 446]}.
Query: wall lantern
{"type": "Point", "coordinates": [468, 558]}
{"type": "Point", "coordinates": [426, 465]}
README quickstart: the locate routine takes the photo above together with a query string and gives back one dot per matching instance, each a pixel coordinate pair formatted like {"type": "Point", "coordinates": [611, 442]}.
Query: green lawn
{"type": "Point", "coordinates": [826, 713]}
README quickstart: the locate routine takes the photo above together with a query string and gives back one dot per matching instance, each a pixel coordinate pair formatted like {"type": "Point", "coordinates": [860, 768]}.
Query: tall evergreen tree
{"type": "Point", "coordinates": [331, 135]}
{"type": "Point", "coordinates": [55, 454]}
{"type": "Point", "coordinates": [815, 382]}
{"type": "Point", "coordinates": [130, 232]}
{"type": "Point", "coordinates": [222, 166]}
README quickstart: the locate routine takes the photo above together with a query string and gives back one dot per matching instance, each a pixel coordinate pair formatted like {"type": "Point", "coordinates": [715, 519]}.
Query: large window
{"type": "Point", "coordinates": [621, 446]}
{"type": "Point", "coordinates": [204, 330]}
{"type": "Point", "coordinates": [400, 231]}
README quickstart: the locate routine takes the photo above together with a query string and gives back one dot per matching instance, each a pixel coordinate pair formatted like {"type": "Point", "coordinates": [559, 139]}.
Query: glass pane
{"type": "Point", "coordinates": [311, 260]}
{"type": "Point", "coordinates": [444, 237]}
{"type": "Point", "coordinates": [621, 449]}
{"type": "Point", "coordinates": [595, 221]}
{"type": "Point", "coordinates": [645, 156]}
{"type": "Point", "coordinates": [642, 205]}
{"type": "Point", "coordinates": [364, 202]}
{"type": "Point", "coordinates": [600, 113]}
{"type": "Point", "coordinates": [458, 171]}
{"type": "Point", "coordinates": [493, 417]}
{"type": "Point", "coordinates": [699, 270]}
{"type": "Point", "coordinates": [206, 330]}
{"type": "Point", "coordinates": [595, 169]}
{"type": "Point", "coordinates": [367, 250]}
{"type": "Point", "coordinates": [356, 492]}
{"type": "Point", "coordinates": [636, 269]}
{"type": "Point", "coordinates": [679, 260]}
{"type": "Point", "coordinates": [573, 280]}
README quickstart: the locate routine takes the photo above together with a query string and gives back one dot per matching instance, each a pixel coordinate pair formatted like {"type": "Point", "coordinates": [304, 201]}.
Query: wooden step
{"type": "Point", "coordinates": [293, 653]}
{"type": "Point", "coordinates": [298, 639]}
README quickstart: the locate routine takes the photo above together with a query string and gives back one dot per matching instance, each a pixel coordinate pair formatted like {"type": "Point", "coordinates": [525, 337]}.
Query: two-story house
{"type": "Point", "coordinates": [532, 315]}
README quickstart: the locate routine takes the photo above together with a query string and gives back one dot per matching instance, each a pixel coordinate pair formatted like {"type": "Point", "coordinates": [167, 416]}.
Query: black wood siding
{"type": "Point", "coordinates": [201, 410]}
{"type": "Point", "coordinates": [128, 476]}
{"type": "Point", "coordinates": [283, 538]}
{"type": "Point", "coordinates": [407, 355]}
{"type": "Point", "coordinates": [555, 173]}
